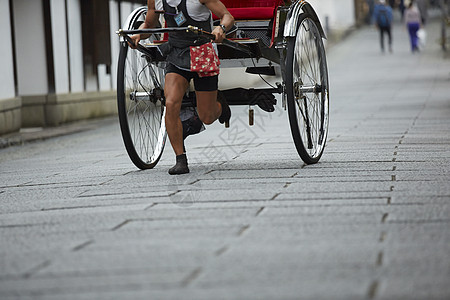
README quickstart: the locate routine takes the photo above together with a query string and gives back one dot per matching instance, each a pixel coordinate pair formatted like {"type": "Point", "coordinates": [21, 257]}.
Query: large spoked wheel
{"type": "Point", "coordinates": [140, 99]}
{"type": "Point", "coordinates": [307, 90]}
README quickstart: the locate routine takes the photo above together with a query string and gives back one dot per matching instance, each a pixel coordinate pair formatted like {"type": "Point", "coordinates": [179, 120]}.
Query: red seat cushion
{"type": "Point", "coordinates": [251, 10]}
{"type": "Point", "coordinates": [252, 13]}
{"type": "Point", "coordinates": [250, 3]}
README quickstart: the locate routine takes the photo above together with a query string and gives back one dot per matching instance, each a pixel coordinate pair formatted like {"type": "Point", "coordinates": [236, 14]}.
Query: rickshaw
{"type": "Point", "coordinates": [267, 34]}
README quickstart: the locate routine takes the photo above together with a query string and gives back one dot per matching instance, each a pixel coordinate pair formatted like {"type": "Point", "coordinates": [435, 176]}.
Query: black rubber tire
{"type": "Point", "coordinates": [308, 68]}
{"type": "Point", "coordinates": [141, 121]}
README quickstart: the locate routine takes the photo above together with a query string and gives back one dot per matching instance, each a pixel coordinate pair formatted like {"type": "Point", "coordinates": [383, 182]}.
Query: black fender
{"type": "Point", "coordinates": [293, 16]}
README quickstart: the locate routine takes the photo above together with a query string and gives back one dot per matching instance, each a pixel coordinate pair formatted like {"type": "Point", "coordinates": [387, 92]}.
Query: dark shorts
{"type": "Point", "coordinates": [201, 84]}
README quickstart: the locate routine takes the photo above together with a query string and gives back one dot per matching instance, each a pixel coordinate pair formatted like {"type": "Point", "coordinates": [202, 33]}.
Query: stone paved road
{"type": "Point", "coordinates": [251, 221]}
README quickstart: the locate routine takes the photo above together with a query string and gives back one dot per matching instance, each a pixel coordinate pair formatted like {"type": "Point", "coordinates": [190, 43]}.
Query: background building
{"type": "Point", "coordinates": [58, 60]}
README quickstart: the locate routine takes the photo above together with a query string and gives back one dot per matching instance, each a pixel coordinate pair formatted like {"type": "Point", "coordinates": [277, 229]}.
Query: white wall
{"type": "Point", "coordinates": [114, 25]}
{"type": "Point", "coordinates": [104, 79]}
{"type": "Point", "coordinates": [59, 37]}
{"type": "Point", "coordinates": [30, 47]}
{"type": "Point", "coordinates": [109, 81]}
{"type": "Point", "coordinates": [340, 13]}
{"type": "Point", "coordinates": [75, 46]}
{"type": "Point", "coordinates": [6, 55]}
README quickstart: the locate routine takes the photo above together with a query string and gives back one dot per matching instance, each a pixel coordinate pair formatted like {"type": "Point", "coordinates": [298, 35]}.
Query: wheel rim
{"type": "Point", "coordinates": [310, 84]}
{"type": "Point", "coordinates": [141, 105]}
{"type": "Point", "coordinates": [144, 106]}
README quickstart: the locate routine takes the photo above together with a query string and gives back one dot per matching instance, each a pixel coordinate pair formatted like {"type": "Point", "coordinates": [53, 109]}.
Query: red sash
{"type": "Point", "coordinates": [204, 60]}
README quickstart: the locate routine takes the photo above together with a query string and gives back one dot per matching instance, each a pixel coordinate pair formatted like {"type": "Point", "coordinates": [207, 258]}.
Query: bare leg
{"type": "Point", "coordinates": [175, 87]}
{"type": "Point", "coordinates": [208, 108]}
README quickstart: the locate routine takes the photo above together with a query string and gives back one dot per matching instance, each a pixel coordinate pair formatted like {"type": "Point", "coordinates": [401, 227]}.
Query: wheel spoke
{"type": "Point", "coordinates": [310, 85]}
{"type": "Point", "coordinates": [140, 110]}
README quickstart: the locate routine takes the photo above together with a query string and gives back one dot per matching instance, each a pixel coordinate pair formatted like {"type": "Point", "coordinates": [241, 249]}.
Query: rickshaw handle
{"type": "Point", "coordinates": [196, 30]}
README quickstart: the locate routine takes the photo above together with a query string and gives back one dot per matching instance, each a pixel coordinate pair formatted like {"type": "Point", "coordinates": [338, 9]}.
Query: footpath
{"type": "Point", "coordinates": [251, 221]}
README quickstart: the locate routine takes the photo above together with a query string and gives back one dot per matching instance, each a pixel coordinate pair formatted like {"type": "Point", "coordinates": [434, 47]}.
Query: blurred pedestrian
{"type": "Point", "coordinates": [370, 4]}
{"type": "Point", "coordinates": [422, 5]}
{"type": "Point", "coordinates": [382, 16]}
{"type": "Point", "coordinates": [413, 23]}
{"type": "Point", "coordinates": [401, 7]}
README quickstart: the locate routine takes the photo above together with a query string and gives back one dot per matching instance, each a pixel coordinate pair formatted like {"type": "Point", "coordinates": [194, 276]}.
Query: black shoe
{"type": "Point", "coordinates": [181, 167]}
{"type": "Point", "coordinates": [190, 121]}
{"type": "Point", "coordinates": [226, 111]}
{"type": "Point", "coordinates": [191, 126]}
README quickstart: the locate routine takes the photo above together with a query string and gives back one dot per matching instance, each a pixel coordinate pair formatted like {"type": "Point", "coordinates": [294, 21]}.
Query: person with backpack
{"type": "Point", "coordinates": [383, 20]}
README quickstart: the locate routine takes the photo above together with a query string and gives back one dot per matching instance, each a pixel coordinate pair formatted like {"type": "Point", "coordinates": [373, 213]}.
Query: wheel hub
{"type": "Point", "coordinates": [153, 96]}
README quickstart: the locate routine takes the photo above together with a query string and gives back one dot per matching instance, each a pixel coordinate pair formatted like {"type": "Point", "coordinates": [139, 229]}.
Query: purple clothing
{"type": "Point", "coordinates": [413, 28]}
{"type": "Point", "coordinates": [413, 22]}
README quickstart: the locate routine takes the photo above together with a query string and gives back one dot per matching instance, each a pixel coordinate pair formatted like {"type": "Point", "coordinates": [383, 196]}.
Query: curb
{"type": "Point", "coordinates": [29, 135]}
